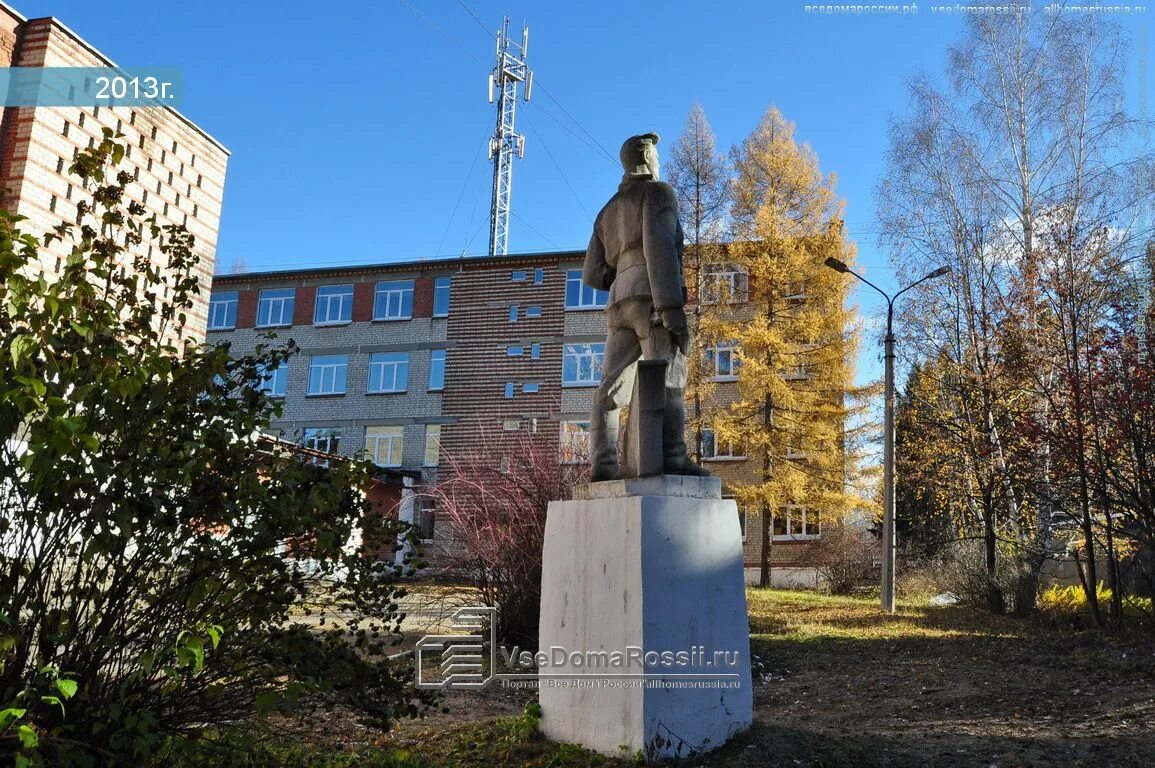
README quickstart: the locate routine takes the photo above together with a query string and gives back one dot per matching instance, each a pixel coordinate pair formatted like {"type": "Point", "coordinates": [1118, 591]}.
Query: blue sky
{"type": "Point", "coordinates": [354, 127]}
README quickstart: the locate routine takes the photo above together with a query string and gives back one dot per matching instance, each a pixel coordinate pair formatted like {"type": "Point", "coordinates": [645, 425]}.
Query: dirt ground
{"type": "Point", "coordinates": [848, 686]}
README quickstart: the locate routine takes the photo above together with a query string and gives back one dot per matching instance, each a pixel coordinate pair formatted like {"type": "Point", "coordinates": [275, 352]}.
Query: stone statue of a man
{"type": "Point", "coordinates": [636, 254]}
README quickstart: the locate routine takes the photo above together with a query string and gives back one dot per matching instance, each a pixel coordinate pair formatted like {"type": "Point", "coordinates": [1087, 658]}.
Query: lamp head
{"type": "Point", "coordinates": [836, 264]}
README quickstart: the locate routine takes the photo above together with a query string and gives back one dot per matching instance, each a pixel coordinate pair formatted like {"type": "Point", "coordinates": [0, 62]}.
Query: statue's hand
{"type": "Point", "coordinates": [674, 321]}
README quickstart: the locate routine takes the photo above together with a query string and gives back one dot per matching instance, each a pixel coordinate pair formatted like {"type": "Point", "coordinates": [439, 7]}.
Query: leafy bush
{"type": "Point", "coordinates": [143, 588]}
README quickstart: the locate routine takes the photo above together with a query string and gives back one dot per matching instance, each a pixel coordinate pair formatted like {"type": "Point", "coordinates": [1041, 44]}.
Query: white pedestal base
{"type": "Point", "coordinates": [644, 568]}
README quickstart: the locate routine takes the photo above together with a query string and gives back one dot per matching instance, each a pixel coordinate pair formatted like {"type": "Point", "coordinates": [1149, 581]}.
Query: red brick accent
{"type": "Point", "coordinates": [303, 304]}
{"type": "Point", "coordinates": [363, 302]}
{"type": "Point", "coordinates": [247, 308]}
{"type": "Point", "coordinates": [423, 297]}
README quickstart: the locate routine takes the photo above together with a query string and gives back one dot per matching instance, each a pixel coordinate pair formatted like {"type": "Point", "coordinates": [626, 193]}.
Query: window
{"type": "Point", "coordinates": [723, 361]}
{"type": "Point", "coordinates": [518, 277]}
{"type": "Point", "coordinates": [741, 518]}
{"type": "Point", "coordinates": [716, 449]}
{"type": "Point", "coordinates": [389, 372]}
{"type": "Point", "coordinates": [432, 445]}
{"type": "Point", "coordinates": [582, 364]}
{"type": "Point", "coordinates": [437, 369]}
{"type": "Point", "coordinates": [511, 425]}
{"type": "Point", "coordinates": [327, 374]}
{"type": "Point", "coordinates": [727, 283]}
{"type": "Point", "coordinates": [515, 350]}
{"type": "Point", "coordinates": [535, 351]}
{"type": "Point", "coordinates": [385, 445]}
{"type": "Point", "coordinates": [441, 296]}
{"type": "Point", "coordinates": [574, 445]}
{"type": "Point", "coordinates": [274, 380]}
{"type": "Point", "coordinates": [334, 305]}
{"type": "Point", "coordinates": [797, 522]}
{"type": "Point", "coordinates": [509, 388]}
{"type": "Point", "coordinates": [533, 311]}
{"type": "Point", "coordinates": [513, 314]}
{"type": "Point", "coordinates": [538, 276]}
{"type": "Point", "coordinates": [797, 372]}
{"type": "Point", "coordinates": [324, 440]}
{"type": "Point", "coordinates": [530, 387]}
{"type": "Point", "coordinates": [223, 311]}
{"type": "Point", "coordinates": [393, 300]}
{"type": "Point", "coordinates": [275, 307]}
{"type": "Point", "coordinates": [578, 295]}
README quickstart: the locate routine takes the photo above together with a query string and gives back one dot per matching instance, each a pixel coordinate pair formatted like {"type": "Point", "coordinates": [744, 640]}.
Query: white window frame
{"type": "Point", "coordinates": [432, 445]}
{"type": "Point", "coordinates": [329, 295]}
{"type": "Point", "coordinates": [389, 299]}
{"type": "Point", "coordinates": [795, 517]}
{"type": "Point", "coordinates": [284, 304]}
{"type": "Point", "coordinates": [275, 381]}
{"type": "Point", "coordinates": [393, 438]}
{"type": "Point", "coordinates": [388, 372]}
{"type": "Point", "coordinates": [220, 300]}
{"type": "Point", "coordinates": [715, 355]}
{"type": "Point", "coordinates": [710, 438]}
{"type": "Point", "coordinates": [736, 279]}
{"type": "Point", "coordinates": [587, 364]}
{"type": "Point", "coordinates": [312, 439]}
{"type": "Point", "coordinates": [533, 313]}
{"type": "Point", "coordinates": [331, 370]}
{"type": "Point", "coordinates": [442, 286]}
{"type": "Point", "coordinates": [570, 447]}
{"type": "Point", "coordinates": [587, 298]}
{"type": "Point", "coordinates": [437, 359]}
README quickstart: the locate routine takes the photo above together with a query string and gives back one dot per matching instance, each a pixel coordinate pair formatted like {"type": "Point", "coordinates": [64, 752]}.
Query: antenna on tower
{"type": "Point", "coordinates": [510, 71]}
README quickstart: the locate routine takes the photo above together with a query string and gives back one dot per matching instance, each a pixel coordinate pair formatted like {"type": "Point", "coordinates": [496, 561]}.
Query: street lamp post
{"type": "Point", "coordinates": [888, 534]}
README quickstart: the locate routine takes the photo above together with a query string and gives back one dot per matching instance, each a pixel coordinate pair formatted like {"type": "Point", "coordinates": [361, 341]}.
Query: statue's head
{"type": "Point", "coordinates": [640, 156]}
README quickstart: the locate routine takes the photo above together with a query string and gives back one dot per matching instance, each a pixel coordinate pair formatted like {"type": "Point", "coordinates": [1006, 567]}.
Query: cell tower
{"type": "Point", "coordinates": [511, 70]}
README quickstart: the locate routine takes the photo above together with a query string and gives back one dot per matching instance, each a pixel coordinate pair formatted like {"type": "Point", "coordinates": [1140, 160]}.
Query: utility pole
{"type": "Point", "coordinates": [889, 543]}
{"type": "Point", "coordinates": [510, 71]}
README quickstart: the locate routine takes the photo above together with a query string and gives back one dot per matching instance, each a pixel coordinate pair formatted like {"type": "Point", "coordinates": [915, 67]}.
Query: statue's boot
{"type": "Point", "coordinates": [604, 446]}
{"type": "Point", "coordinates": [677, 460]}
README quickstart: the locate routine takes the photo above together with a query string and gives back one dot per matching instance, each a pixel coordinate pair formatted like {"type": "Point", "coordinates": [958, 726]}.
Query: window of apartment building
{"type": "Point", "coordinates": [533, 312]}
{"type": "Point", "coordinates": [393, 300]}
{"type": "Point", "coordinates": [441, 286]}
{"type": "Point", "coordinates": [324, 440]}
{"type": "Point", "coordinates": [510, 387]}
{"type": "Point", "coordinates": [511, 425]}
{"type": "Point", "coordinates": [723, 361]}
{"type": "Point", "coordinates": [574, 444]}
{"type": "Point", "coordinates": [518, 276]}
{"type": "Point", "coordinates": [60, 165]}
{"type": "Point", "coordinates": [327, 374]}
{"type": "Point", "coordinates": [535, 351]}
{"type": "Point", "coordinates": [223, 311]}
{"type": "Point", "coordinates": [530, 387]}
{"type": "Point", "coordinates": [578, 295]}
{"type": "Point", "coordinates": [582, 364]}
{"type": "Point", "coordinates": [727, 283]}
{"type": "Point", "coordinates": [798, 372]}
{"type": "Point", "coordinates": [437, 369]}
{"type": "Point", "coordinates": [334, 305]}
{"type": "Point", "coordinates": [715, 448]}
{"type": "Point", "coordinates": [389, 372]}
{"type": "Point", "coordinates": [514, 350]}
{"type": "Point", "coordinates": [275, 381]}
{"type": "Point", "coordinates": [538, 276]}
{"type": "Point", "coordinates": [385, 445]}
{"type": "Point", "coordinates": [797, 522]}
{"type": "Point", "coordinates": [741, 517]}
{"type": "Point", "coordinates": [513, 314]}
{"type": "Point", "coordinates": [432, 445]}
{"type": "Point", "coordinates": [275, 306]}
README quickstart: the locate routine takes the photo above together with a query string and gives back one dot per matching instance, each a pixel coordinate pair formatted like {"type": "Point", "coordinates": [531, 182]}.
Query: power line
{"type": "Point", "coordinates": [558, 166]}
{"type": "Point", "coordinates": [461, 194]}
{"type": "Point", "coordinates": [480, 23]}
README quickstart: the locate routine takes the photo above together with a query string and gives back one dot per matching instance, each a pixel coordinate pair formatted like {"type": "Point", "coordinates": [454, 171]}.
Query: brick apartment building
{"type": "Point", "coordinates": [179, 168]}
{"type": "Point", "coordinates": [415, 361]}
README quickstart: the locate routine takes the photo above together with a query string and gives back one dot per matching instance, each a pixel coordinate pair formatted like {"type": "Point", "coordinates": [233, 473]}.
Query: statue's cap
{"type": "Point", "coordinates": [633, 151]}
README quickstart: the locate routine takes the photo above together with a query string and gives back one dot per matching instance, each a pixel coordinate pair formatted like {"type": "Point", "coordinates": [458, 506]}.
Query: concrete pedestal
{"type": "Point", "coordinates": [646, 573]}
